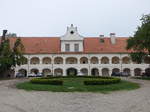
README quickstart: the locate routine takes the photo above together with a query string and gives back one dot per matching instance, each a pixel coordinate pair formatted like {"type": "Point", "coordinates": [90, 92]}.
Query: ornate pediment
{"type": "Point", "coordinates": [72, 34]}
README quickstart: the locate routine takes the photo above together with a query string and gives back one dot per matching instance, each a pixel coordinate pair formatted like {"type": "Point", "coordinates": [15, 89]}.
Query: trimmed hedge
{"type": "Point", "coordinates": [91, 80]}
{"type": "Point", "coordinates": [46, 81]}
{"type": "Point", "coordinates": [102, 81]}
{"type": "Point", "coordinates": [101, 77]}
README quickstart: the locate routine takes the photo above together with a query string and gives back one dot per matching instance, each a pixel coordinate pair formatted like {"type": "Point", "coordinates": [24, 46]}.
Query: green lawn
{"type": "Point", "coordinates": [76, 85]}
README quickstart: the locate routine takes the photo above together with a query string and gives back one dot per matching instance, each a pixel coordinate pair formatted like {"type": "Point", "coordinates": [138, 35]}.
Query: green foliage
{"type": "Point", "coordinates": [11, 35]}
{"type": "Point", "coordinates": [77, 85]}
{"type": "Point", "coordinates": [46, 81]}
{"type": "Point", "coordinates": [102, 81]}
{"type": "Point", "coordinates": [102, 77]}
{"type": "Point", "coordinates": [140, 42]}
{"type": "Point", "coordinates": [17, 54]}
{"type": "Point", "coordinates": [137, 56]}
{"type": "Point", "coordinates": [10, 56]}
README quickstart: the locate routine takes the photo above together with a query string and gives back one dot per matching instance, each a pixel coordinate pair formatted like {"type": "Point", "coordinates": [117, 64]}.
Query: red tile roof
{"type": "Point", "coordinates": [40, 45]}
{"type": "Point", "coordinates": [48, 45]}
{"type": "Point", "coordinates": [93, 45]}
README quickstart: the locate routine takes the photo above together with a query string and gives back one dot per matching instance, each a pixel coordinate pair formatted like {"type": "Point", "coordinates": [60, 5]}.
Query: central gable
{"type": "Point", "coordinates": [72, 41]}
{"type": "Point", "coordinates": [72, 34]}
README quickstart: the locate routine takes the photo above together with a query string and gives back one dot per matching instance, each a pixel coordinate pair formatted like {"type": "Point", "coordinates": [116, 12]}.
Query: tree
{"type": "Point", "coordinates": [10, 57]}
{"type": "Point", "coordinates": [139, 44]}
{"type": "Point", "coordinates": [11, 35]}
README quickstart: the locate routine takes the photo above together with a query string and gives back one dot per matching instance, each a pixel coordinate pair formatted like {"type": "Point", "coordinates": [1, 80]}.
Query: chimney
{"type": "Point", "coordinates": [101, 36]}
{"type": "Point", "coordinates": [4, 35]}
{"type": "Point", "coordinates": [113, 38]}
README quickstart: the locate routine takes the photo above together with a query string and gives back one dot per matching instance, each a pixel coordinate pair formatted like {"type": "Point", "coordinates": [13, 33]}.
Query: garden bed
{"type": "Point", "coordinates": [77, 84]}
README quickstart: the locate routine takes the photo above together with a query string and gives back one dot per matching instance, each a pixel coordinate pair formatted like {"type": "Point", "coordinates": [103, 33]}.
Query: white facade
{"type": "Point", "coordinates": [80, 64]}
{"type": "Point", "coordinates": [72, 38]}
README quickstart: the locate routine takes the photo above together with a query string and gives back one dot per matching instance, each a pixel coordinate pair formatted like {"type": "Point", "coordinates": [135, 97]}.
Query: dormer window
{"type": "Point", "coordinates": [102, 41]}
{"type": "Point", "coordinates": [72, 32]}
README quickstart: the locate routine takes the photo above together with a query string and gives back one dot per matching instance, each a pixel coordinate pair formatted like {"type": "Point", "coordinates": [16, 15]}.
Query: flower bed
{"type": "Point", "coordinates": [76, 84]}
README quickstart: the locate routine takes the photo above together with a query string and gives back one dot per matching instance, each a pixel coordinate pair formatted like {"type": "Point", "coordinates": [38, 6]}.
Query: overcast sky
{"type": "Point", "coordinates": [92, 17]}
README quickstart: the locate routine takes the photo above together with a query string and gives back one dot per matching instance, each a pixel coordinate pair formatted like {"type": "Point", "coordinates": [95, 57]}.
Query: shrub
{"type": "Point", "coordinates": [102, 77]}
{"type": "Point", "coordinates": [46, 81]}
{"type": "Point", "coordinates": [102, 81]}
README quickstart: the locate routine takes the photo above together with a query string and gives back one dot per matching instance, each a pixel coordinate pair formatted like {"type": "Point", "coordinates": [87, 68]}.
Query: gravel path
{"type": "Point", "coordinates": [14, 100]}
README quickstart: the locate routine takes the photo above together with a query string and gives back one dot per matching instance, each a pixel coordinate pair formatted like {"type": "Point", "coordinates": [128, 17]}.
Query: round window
{"type": "Point", "coordinates": [72, 32]}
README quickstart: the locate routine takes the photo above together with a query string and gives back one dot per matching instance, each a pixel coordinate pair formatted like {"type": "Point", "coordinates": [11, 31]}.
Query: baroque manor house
{"type": "Point", "coordinates": [73, 54]}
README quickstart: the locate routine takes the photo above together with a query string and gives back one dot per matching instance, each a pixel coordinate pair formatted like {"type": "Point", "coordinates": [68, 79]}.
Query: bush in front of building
{"type": "Point", "coordinates": [101, 77]}
{"type": "Point", "coordinates": [102, 81]}
{"type": "Point", "coordinates": [46, 81]}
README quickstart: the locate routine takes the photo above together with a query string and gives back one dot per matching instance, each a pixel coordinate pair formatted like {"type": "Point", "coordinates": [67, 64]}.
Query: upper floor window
{"type": "Point", "coordinates": [76, 47]}
{"type": "Point", "coordinates": [67, 47]}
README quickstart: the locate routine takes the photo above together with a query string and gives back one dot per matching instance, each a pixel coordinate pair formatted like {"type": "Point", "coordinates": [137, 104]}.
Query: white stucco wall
{"type": "Point", "coordinates": [72, 43]}
{"type": "Point", "coordinates": [72, 39]}
{"type": "Point", "coordinates": [79, 66]}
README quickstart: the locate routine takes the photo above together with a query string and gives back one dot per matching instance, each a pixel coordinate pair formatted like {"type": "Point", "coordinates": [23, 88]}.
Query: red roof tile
{"type": "Point", "coordinates": [40, 45]}
{"type": "Point", "coordinates": [93, 45]}
{"type": "Point", "coordinates": [48, 45]}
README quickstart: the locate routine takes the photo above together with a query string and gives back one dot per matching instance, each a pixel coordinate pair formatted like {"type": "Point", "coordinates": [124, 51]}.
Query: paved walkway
{"type": "Point", "coordinates": [14, 100]}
